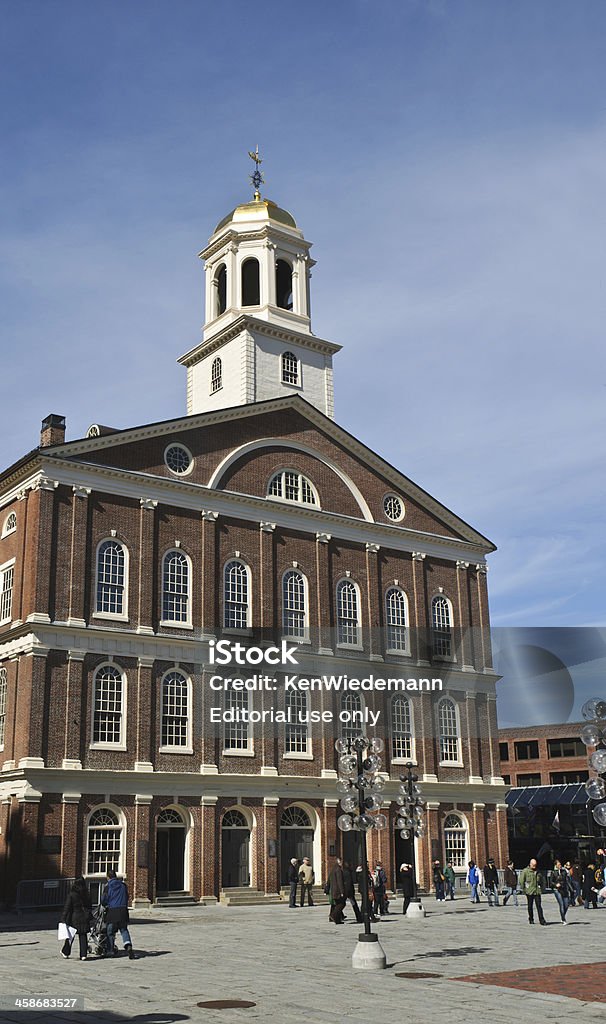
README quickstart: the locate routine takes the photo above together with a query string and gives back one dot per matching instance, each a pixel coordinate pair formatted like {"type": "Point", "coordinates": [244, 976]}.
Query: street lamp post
{"type": "Point", "coordinates": [593, 734]}
{"type": "Point", "coordinates": [411, 825]}
{"type": "Point", "coordinates": [361, 797]}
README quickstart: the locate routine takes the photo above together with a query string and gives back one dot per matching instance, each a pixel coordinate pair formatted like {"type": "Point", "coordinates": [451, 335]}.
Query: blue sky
{"type": "Point", "coordinates": [446, 159]}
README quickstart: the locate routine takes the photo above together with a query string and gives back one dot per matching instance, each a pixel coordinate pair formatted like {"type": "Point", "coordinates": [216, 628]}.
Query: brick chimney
{"type": "Point", "coordinates": [53, 430]}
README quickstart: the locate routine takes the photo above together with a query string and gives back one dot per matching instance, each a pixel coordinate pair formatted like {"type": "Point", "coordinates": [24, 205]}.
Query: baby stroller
{"type": "Point", "coordinates": [97, 940]}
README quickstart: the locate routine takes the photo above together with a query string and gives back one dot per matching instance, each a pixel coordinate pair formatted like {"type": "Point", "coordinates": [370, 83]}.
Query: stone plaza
{"type": "Point", "coordinates": [462, 963]}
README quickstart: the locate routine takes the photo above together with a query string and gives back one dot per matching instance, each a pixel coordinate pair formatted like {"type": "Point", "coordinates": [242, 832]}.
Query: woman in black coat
{"type": "Point", "coordinates": [589, 888]}
{"type": "Point", "coordinates": [77, 914]}
{"type": "Point", "coordinates": [406, 878]}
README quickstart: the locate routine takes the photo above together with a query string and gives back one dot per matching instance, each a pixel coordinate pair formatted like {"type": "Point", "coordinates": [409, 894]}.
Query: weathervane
{"type": "Point", "coordinates": [256, 177]}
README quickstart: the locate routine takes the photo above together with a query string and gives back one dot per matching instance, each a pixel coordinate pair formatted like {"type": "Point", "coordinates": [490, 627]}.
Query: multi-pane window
{"type": "Point", "coordinates": [237, 733]}
{"type": "Point", "coordinates": [504, 751]}
{"type": "Point", "coordinates": [236, 599]}
{"type": "Point", "coordinates": [175, 710]}
{"type": "Point", "coordinates": [455, 841]}
{"type": "Point", "coordinates": [175, 587]}
{"type": "Point", "coordinates": [111, 578]}
{"type": "Point", "coordinates": [290, 368]}
{"type": "Point", "coordinates": [566, 748]}
{"type": "Point", "coordinates": [348, 620]}
{"type": "Point", "coordinates": [401, 729]}
{"type": "Point", "coordinates": [108, 705]}
{"type": "Point", "coordinates": [526, 750]}
{"type": "Point", "coordinates": [216, 375]}
{"type": "Point", "coordinates": [393, 507]}
{"type": "Point", "coordinates": [7, 577]}
{"type": "Point", "coordinates": [178, 459]}
{"type": "Point", "coordinates": [448, 730]}
{"type": "Point", "coordinates": [292, 486]}
{"type": "Point", "coordinates": [442, 627]}
{"type": "Point", "coordinates": [293, 605]}
{"type": "Point", "coordinates": [397, 635]}
{"type": "Point", "coordinates": [352, 721]}
{"type": "Point", "coordinates": [295, 739]}
{"type": "Point", "coordinates": [10, 524]}
{"type": "Point", "coordinates": [3, 689]}
{"type": "Point", "coordinates": [529, 779]}
{"type": "Point", "coordinates": [104, 845]}
{"type": "Point", "coordinates": [567, 778]}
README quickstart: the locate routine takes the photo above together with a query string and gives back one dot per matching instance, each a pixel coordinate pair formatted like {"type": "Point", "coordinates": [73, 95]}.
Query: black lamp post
{"type": "Point", "coordinates": [410, 823]}
{"type": "Point", "coordinates": [361, 788]}
{"type": "Point", "coordinates": [593, 734]}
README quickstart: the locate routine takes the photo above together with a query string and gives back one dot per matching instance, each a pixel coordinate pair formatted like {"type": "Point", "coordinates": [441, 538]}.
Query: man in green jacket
{"type": "Point", "coordinates": [530, 884]}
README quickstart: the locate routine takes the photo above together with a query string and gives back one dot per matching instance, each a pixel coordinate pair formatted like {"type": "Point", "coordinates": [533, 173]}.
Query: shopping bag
{"type": "Point", "coordinates": [65, 931]}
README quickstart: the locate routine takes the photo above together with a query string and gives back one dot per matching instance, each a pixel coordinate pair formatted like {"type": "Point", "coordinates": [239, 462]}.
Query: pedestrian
{"type": "Point", "coordinates": [576, 877]}
{"type": "Point", "coordinates": [407, 885]}
{"type": "Point", "coordinates": [560, 884]}
{"type": "Point", "coordinates": [511, 884]}
{"type": "Point", "coordinates": [473, 881]}
{"type": "Point", "coordinates": [379, 882]}
{"type": "Point", "coordinates": [491, 882]}
{"type": "Point", "coordinates": [449, 880]}
{"type": "Point", "coordinates": [588, 888]}
{"type": "Point", "coordinates": [336, 893]}
{"type": "Point", "coordinates": [76, 914]}
{"type": "Point", "coordinates": [365, 879]}
{"type": "Point", "coordinates": [350, 891]}
{"type": "Point", "coordinates": [307, 878]}
{"type": "Point", "coordinates": [530, 884]}
{"type": "Point", "coordinates": [115, 900]}
{"type": "Point", "coordinates": [293, 881]}
{"type": "Point", "coordinates": [438, 881]}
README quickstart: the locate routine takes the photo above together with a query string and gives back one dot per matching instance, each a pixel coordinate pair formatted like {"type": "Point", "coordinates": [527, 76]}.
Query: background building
{"type": "Point", "coordinates": [254, 517]}
{"type": "Point", "coordinates": [544, 755]}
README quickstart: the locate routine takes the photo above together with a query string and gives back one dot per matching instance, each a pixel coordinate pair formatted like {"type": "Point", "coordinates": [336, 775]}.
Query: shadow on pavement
{"type": "Point", "coordinates": [89, 1017]}
{"type": "Point", "coordinates": [463, 951]}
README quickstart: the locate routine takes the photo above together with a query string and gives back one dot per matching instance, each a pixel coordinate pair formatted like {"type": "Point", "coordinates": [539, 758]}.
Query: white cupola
{"type": "Point", "coordinates": [257, 342]}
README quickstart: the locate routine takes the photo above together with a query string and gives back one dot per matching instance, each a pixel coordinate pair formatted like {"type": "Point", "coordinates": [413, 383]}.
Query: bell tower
{"type": "Point", "coordinates": [257, 341]}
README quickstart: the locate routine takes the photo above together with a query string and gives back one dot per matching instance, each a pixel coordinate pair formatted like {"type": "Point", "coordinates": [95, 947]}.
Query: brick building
{"type": "Point", "coordinates": [123, 554]}
{"type": "Point", "coordinates": [543, 755]}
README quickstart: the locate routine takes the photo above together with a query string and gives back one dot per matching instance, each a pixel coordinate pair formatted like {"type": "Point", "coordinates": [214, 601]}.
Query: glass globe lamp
{"type": "Point", "coordinates": [349, 803]}
{"type": "Point", "coordinates": [599, 814]}
{"type": "Point", "coordinates": [596, 789]}
{"type": "Point", "coordinates": [345, 823]}
{"type": "Point", "coordinates": [380, 821]}
{"type": "Point", "coordinates": [598, 761]}
{"type": "Point", "coordinates": [341, 746]}
{"type": "Point", "coordinates": [377, 745]}
{"type": "Point", "coordinates": [344, 786]}
{"type": "Point", "coordinates": [348, 764]}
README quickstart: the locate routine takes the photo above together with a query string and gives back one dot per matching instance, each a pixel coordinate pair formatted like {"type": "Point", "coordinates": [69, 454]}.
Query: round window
{"type": "Point", "coordinates": [178, 459]}
{"type": "Point", "coordinates": [393, 507]}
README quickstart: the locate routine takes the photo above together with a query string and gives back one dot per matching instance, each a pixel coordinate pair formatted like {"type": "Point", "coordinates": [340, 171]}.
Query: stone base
{"type": "Point", "coordinates": [416, 910]}
{"type": "Point", "coordinates": [369, 954]}
{"type": "Point", "coordinates": [140, 903]}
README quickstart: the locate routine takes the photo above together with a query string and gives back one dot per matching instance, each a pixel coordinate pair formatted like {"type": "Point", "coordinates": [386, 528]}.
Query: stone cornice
{"type": "Point", "coordinates": [269, 330]}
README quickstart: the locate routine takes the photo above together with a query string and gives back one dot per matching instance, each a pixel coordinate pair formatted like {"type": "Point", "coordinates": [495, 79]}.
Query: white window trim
{"type": "Point", "coordinates": [359, 726]}
{"type": "Point", "coordinates": [215, 390]}
{"type": "Point", "coordinates": [305, 639]}
{"type": "Point", "coordinates": [121, 745]}
{"type": "Point", "coordinates": [287, 383]}
{"type": "Point", "coordinates": [112, 616]}
{"type": "Point", "coordinates": [249, 749]}
{"type": "Point", "coordinates": [3, 668]}
{"type": "Point", "coordinates": [358, 646]}
{"type": "Point", "coordinates": [458, 761]}
{"type": "Point", "coordinates": [121, 825]}
{"type": "Point", "coordinates": [450, 658]}
{"type": "Point", "coordinates": [234, 629]}
{"type": "Point", "coordinates": [464, 828]}
{"type": "Point", "coordinates": [300, 755]}
{"type": "Point", "coordinates": [189, 470]}
{"type": "Point", "coordinates": [392, 494]}
{"type": "Point", "coordinates": [406, 653]}
{"type": "Point", "coordinates": [293, 501]}
{"type": "Point", "coordinates": [6, 531]}
{"type": "Point", "coordinates": [173, 623]}
{"type": "Point", "coordinates": [7, 565]}
{"type": "Point", "coordinates": [413, 743]}
{"type": "Point", "coordinates": [169, 748]}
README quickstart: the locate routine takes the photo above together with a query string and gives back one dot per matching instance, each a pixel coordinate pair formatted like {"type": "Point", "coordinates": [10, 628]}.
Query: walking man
{"type": "Point", "coordinates": [379, 881]}
{"type": "Point", "coordinates": [530, 884]}
{"type": "Point", "coordinates": [438, 881]}
{"type": "Point", "coordinates": [491, 883]}
{"type": "Point", "coordinates": [561, 888]}
{"type": "Point", "coordinates": [511, 884]}
{"type": "Point", "coordinates": [293, 881]}
{"type": "Point", "coordinates": [336, 891]}
{"type": "Point", "coordinates": [115, 899]}
{"type": "Point", "coordinates": [449, 880]}
{"type": "Point", "coordinates": [473, 881]}
{"type": "Point", "coordinates": [406, 876]}
{"type": "Point", "coordinates": [306, 877]}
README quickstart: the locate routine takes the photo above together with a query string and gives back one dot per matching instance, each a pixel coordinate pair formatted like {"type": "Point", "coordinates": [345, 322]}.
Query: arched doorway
{"type": "Point", "coordinates": [235, 850]}
{"type": "Point", "coordinates": [296, 838]}
{"type": "Point", "coordinates": [171, 836]}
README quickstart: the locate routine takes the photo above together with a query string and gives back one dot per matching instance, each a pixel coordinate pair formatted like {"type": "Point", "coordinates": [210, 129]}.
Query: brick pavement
{"type": "Point", "coordinates": [296, 968]}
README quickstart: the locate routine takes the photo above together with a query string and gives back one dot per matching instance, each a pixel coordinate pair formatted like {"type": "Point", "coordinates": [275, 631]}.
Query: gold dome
{"type": "Point", "coordinates": [258, 209]}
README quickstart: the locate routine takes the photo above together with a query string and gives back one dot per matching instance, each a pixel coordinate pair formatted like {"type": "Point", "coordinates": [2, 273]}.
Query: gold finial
{"type": "Point", "coordinates": [256, 177]}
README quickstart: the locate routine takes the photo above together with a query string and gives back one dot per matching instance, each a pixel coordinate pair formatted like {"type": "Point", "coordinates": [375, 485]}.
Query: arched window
{"type": "Point", "coordinates": [441, 622]}
{"type": "Point", "coordinates": [169, 817]}
{"type": "Point", "coordinates": [237, 736]}
{"type": "Point", "coordinates": [221, 286]}
{"type": "Point", "coordinates": [108, 706]}
{"type": "Point", "coordinates": [283, 284]}
{"type": "Point", "coordinates": [176, 588]}
{"type": "Point", "coordinates": [289, 485]}
{"type": "Point", "coordinates": [290, 368]}
{"type": "Point", "coordinates": [396, 619]}
{"type": "Point", "coordinates": [236, 597]}
{"type": "Point", "coordinates": [296, 729]}
{"type": "Point", "coordinates": [111, 579]}
{"type": "Point", "coordinates": [234, 819]}
{"type": "Point", "coordinates": [348, 615]}
{"type": "Point", "coordinates": [104, 842]}
{"type": "Point", "coordinates": [10, 524]}
{"type": "Point", "coordinates": [216, 375]}
{"type": "Point", "coordinates": [294, 611]}
{"type": "Point", "coordinates": [3, 689]}
{"type": "Point", "coordinates": [401, 729]}
{"type": "Point", "coordinates": [294, 817]}
{"type": "Point", "coordinates": [176, 726]}
{"type": "Point", "coordinates": [448, 729]}
{"type": "Point", "coordinates": [352, 726]}
{"type": "Point", "coordinates": [455, 841]}
{"type": "Point", "coordinates": [251, 294]}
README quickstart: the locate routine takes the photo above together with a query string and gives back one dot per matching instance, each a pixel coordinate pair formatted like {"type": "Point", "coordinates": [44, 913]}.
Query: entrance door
{"type": "Point", "coordinates": [296, 839]}
{"type": "Point", "coordinates": [403, 852]}
{"type": "Point", "coordinates": [170, 852]}
{"type": "Point", "coordinates": [235, 851]}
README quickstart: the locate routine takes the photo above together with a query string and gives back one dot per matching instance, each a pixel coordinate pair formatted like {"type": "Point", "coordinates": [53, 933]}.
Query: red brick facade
{"type": "Point", "coordinates": [555, 763]}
